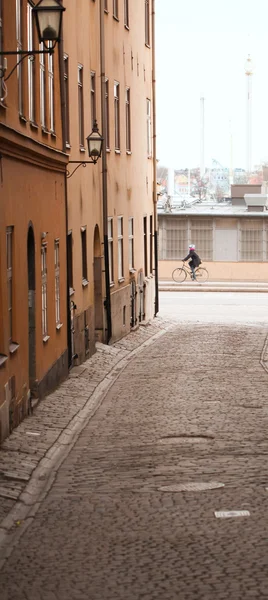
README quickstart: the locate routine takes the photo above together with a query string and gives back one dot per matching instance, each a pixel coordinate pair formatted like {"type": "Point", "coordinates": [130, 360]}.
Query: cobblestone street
{"type": "Point", "coordinates": [127, 513]}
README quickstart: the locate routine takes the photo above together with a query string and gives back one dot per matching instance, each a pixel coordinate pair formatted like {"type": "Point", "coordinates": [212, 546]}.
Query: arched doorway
{"type": "Point", "coordinates": [31, 310]}
{"type": "Point", "coordinates": [98, 301]}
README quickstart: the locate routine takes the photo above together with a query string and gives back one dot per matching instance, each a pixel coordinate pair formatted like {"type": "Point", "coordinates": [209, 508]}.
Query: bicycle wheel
{"type": "Point", "coordinates": [179, 275]}
{"type": "Point", "coordinates": [201, 274]}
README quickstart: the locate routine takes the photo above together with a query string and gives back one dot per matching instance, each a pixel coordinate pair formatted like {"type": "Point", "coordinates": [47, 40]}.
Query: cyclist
{"type": "Point", "coordinates": [194, 260]}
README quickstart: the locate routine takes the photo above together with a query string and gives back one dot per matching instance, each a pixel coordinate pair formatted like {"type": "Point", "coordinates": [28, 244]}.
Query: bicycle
{"type": "Point", "coordinates": [181, 273]}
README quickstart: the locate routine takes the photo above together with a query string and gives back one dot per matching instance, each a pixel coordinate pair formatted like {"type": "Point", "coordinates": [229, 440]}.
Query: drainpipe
{"type": "Point", "coordinates": [64, 129]}
{"type": "Point", "coordinates": [107, 302]}
{"type": "Point", "coordinates": [156, 304]}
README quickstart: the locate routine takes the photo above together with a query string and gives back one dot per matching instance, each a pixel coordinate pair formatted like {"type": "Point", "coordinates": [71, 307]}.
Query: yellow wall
{"type": "Point", "coordinates": [221, 271]}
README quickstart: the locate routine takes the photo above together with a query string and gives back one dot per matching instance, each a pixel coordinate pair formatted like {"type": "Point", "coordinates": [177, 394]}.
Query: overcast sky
{"type": "Point", "coordinates": [202, 47]}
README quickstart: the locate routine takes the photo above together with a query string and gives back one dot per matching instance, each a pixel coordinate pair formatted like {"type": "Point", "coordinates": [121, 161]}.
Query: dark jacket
{"type": "Point", "coordinates": [194, 259]}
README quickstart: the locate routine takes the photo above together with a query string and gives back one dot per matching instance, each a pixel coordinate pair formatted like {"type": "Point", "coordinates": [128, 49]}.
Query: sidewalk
{"type": "Point", "coordinates": [41, 440]}
{"type": "Point", "coordinates": [213, 286]}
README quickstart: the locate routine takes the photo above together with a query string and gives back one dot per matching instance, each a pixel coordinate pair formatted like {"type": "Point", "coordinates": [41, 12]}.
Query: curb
{"type": "Point", "coordinates": [200, 288]}
{"type": "Point", "coordinates": [42, 478]}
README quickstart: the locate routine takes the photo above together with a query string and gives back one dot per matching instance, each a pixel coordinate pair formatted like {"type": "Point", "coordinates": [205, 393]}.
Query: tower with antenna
{"type": "Point", "coordinates": [202, 137]}
{"type": "Point", "coordinates": [249, 74]}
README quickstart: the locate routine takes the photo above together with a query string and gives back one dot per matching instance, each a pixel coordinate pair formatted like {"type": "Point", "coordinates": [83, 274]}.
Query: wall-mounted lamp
{"type": "Point", "coordinates": [94, 143]}
{"type": "Point", "coordinates": [48, 18]}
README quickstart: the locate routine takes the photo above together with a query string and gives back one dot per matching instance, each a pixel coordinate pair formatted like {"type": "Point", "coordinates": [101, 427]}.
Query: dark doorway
{"type": "Point", "coordinates": [31, 310]}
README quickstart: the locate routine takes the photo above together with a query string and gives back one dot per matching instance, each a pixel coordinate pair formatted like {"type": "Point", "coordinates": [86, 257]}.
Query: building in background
{"type": "Point", "coordinates": [231, 237]}
{"type": "Point", "coordinates": [33, 299]}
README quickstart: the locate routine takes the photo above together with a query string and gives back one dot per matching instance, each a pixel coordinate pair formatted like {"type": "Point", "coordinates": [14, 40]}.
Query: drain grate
{"type": "Point", "coordinates": [192, 486]}
{"type": "Point", "coordinates": [227, 514]}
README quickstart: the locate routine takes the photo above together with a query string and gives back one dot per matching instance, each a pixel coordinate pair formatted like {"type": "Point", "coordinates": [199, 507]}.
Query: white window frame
{"type": "Point", "coordinates": [107, 114]}
{"type": "Point", "coordinates": [131, 243]}
{"type": "Point", "coordinates": [43, 111]}
{"type": "Point", "coordinates": [19, 47]}
{"type": "Point", "coordinates": [147, 22]}
{"type": "Point", "coordinates": [126, 13]}
{"type": "Point", "coordinates": [149, 127]}
{"type": "Point", "coordinates": [93, 96]}
{"type": "Point", "coordinates": [115, 10]}
{"type": "Point", "coordinates": [128, 121]}
{"type": "Point", "coordinates": [31, 74]}
{"type": "Point", "coordinates": [117, 116]}
{"type": "Point", "coordinates": [66, 97]}
{"type": "Point", "coordinates": [81, 106]}
{"type": "Point", "coordinates": [51, 100]}
{"type": "Point", "coordinates": [120, 247]}
{"type": "Point", "coordinates": [44, 291]}
{"type": "Point", "coordinates": [57, 280]}
{"type": "Point", "coordinates": [111, 250]}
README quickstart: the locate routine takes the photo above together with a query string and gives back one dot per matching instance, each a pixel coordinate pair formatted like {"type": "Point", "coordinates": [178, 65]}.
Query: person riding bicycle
{"type": "Point", "coordinates": [194, 260]}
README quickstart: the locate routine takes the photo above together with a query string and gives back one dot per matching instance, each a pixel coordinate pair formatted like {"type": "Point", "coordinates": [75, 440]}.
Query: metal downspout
{"type": "Point", "coordinates": [156, 305]}
{"type": "Point", "coordinates": [107, 302]}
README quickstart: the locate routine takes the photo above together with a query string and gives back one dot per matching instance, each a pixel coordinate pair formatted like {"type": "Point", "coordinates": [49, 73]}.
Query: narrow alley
{"type": "Point", "coordinates": [140, 506]}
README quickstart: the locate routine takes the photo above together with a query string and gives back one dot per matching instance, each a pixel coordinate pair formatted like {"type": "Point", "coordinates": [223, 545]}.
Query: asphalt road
{"type": "Point", "coordinates": [215, 307]}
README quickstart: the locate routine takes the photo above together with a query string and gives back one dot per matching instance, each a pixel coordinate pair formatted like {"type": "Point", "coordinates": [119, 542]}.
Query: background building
{"type": "Point", "coordinates": [231, 237]}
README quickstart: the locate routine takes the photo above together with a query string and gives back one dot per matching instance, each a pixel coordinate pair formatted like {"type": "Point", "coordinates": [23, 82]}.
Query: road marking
{"type": "Point", "coordinates": [191, 487]}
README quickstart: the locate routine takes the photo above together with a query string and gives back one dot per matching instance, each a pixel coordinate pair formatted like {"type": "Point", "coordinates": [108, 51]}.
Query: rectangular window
{"type": "Point", "coordinates": [111, 249]}
{"type": "Point", "coordinates": [116, 116]}
{"type": "Point", "coordinates": [31, 65]}
{"type": "Point", "coordinates": [106, 5]}
{"type": "Point", "coordinates": [173, 237]}
{"type": "Point", "coordinates": [19, 47]}
{"type": "Point", "coordinates": [107, 114]}
{"type": "Point", "coordinates": [43, 116]}
{"type": "Point", "coordinates": [151, 244]}
{"type": "Point", "coordinates": [147, 22]}
{"type": "Point", "coordinates": [9, 248]}
{"type": "Point", "coordinates": [202, 237]}
{"type": "Point", "coordinates": [120, 248]}
{"type": "Point", "coordinates": [57, 280]}
{"type": "Point", "coordinates": [44, 291]}
{"type": "Point", "coordinates": [84, 253]}
{"type": "Point", "coordinates": [66, 98]}
{"type": "Point", "coordinates": [128, 125]}
{"type": "Point", "coordinates": [126, 13]}
{"type": "Point", "coordinates": [81, 107]}
{"type": "Point", "coordinates": [70, 261]}
{"type": "Point", "coordinates": [149, 128]}
{"type": "Point", "coordinates": [115, 9]}
{"type": "Point", "coordinates": [51, 91]}
{"type": "Point", "coordinates": [131, 242]}
{"type": "Point", "coordinates": [93, 97]}
{"type": "Point", "coordinates": [251, 240]}
{"type": "Point", "coordinates": [145, 246]}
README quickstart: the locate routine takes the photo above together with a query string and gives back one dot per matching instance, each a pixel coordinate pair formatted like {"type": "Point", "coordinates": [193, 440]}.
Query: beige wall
{"type": "Point", "coordinates": [221, 271]}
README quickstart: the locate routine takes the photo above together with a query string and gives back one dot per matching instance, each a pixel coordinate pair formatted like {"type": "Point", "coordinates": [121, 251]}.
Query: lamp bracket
{"type": "Point", "coordinates": [24, 54]}
{"type": "Point", "coordinates": [82, 163]}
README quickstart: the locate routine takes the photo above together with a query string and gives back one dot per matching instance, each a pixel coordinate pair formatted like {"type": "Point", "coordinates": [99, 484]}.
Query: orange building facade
{"type": "Point", "coordinates": [108, 55]}
{"type": "Point", "coordinates": [33, 285]}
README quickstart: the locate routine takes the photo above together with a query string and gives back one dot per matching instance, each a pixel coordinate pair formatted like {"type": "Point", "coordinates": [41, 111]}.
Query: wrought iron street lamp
{"type": "Point", "coordinates": [48, 17]}
{"type": "Point", "coordinates": [94, 143]}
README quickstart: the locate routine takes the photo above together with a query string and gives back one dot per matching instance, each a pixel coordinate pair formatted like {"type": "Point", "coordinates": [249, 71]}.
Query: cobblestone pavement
{"type": "Point", "coordinates": [190, 408]}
